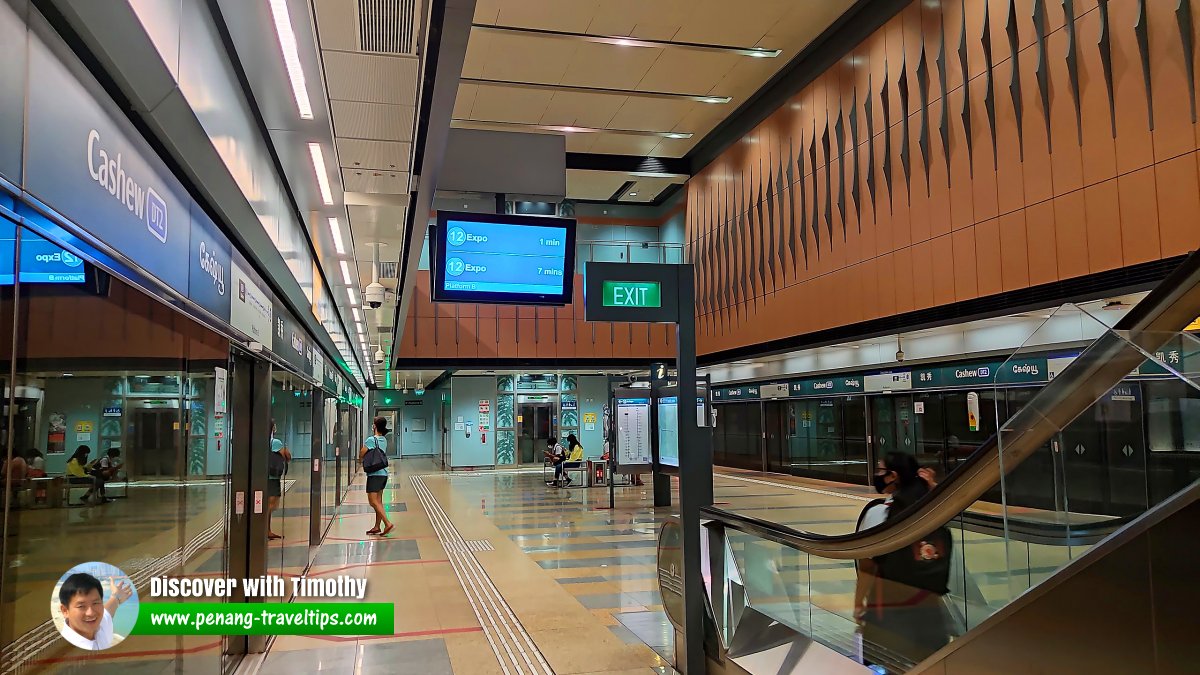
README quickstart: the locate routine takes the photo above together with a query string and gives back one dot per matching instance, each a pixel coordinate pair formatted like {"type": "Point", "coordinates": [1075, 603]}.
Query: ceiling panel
{"type": "Point", "coordinates": [502, 104]}
{"type": "Point", "coordinates": [337, 23]}
{"type": "Point", "coordinates": [352, 119]}
{"type": "Point", "coordinates": [358, 153]}
{"type": "Point", "coordinates": [658, 20]}
{"type": "Point", "coordinates": [741, 23]}
{"type": "Point", "coordinates": [366, 180]}
{"type": "Point", "coordinates": [464, 100]}
{"type": "Point", "coordinates": [690, 72]}
{"type": "Point", "coordinates": [619, 144]}
{"type": "Point", "coordinates": [376, 216]}
{"type": "Point", "coordinates": [568, 108]}
{"type": "Point", "coordinates": [644, 114]}
{"type": "Point", "coordinates": [581, 142]}
{"type": "Point", "coordinates": [598, 185]}
{"type": "Point", "coordinates": [520, 58]}
{"type": "Point", "coordinates": [803, 23]}
{"type": "Point", "coordinates": [562, 15]}
{"type": "Point", "coordinates": [372, 78]}
{"type": "Point", "coordinates": [648, 189]}
{"type": "Point", "coordinates": [604, 65]}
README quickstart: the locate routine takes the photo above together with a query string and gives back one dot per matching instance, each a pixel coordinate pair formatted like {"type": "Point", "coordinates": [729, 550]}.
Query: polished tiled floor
{"type": "Point", "coordinates": [494, 572]}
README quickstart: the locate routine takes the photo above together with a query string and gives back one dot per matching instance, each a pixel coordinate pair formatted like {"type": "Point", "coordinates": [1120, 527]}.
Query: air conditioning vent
{"type": "Point", "coordinates": [388, 270]}
{"type": "Point", "coordinates": [387, 26]}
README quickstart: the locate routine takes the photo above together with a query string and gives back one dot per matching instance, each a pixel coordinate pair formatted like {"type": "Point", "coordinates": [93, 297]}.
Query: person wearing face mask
{"type": "Point", "coordinates": [898, 596]}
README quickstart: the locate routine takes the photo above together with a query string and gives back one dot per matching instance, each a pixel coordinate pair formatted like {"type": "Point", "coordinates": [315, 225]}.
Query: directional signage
{"type": "Point", "coordinates": [635, 292]}
{"type": "Point", "coordinates": [632, 294]}
{"type": "Point", "coordinates": [824, 386]}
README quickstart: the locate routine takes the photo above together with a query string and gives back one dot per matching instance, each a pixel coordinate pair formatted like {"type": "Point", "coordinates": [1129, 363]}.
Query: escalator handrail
{"type": "Point", "coordinates": [1165, 311]}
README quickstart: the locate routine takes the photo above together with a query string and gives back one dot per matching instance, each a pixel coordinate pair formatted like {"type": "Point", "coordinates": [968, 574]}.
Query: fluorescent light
{"type": "Point", "coordinates": [632, 194]}
{"type": "Point", "coordinates": [291, 57]}
{"type": "Point", "coordinates": [346, 273]}
{"type": "Point", "coordinates": [335, 228]}
{"type": "Point", "coordinates": [357, 314]}
{"type": "Point", "coordinates": [318, 160]}
{"type": "Point", "coordinates": [353, 293]}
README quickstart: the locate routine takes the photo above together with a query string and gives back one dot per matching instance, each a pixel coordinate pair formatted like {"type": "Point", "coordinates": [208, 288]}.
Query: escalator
{"type": "Point", "coordinates": [1058, 593]}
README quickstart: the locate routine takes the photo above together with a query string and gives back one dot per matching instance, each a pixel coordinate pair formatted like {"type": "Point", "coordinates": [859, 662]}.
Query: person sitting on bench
{"type": "Point", "coordinates": [79, 472]}
{"type": "Point", "coordinates": [574, 456]}
{"type": "Point", "coordinates": [106, 469]}
{"type": "Point", "coordinates": [556, 455]}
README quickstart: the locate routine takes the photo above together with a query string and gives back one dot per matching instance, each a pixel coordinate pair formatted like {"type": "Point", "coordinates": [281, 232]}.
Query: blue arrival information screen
{"type": "Point", "coordinates": [41, 261]}
{"type": "Point", "coordinates": [510, 259]}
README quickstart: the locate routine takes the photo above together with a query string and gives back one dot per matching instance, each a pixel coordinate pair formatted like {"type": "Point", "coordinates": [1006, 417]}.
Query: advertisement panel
{"type": "Point", "coordinates": [251, 307]}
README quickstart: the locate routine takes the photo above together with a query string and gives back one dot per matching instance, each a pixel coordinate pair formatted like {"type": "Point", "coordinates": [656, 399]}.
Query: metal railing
{"type": "Point", "coordinates": [629, 251]}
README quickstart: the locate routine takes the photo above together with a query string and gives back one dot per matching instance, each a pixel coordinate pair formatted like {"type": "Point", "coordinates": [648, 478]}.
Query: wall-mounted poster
{"type": "Point", "coordinates": [56, 438]}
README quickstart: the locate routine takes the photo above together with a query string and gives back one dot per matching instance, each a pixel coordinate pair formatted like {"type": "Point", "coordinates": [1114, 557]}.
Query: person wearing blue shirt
{"type": "Point", "coordinates": [377, 480]}
{"type": "Point", "coordinates": [276, 466]}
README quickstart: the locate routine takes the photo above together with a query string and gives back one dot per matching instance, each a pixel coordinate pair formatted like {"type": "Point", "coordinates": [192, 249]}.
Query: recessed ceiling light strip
{"type": "Point", "coordinates": [624, 41]}
{"type": "Point", "coordinates": [460, 123]}
{"type": "Point", "coordinates": [291, 57]}
{"type": "Point", "coordinates": [700, 98]}
{"type": "Point", "coordinates": [318, 161]}
{"type": "Point", "coordinates": [335, 229]}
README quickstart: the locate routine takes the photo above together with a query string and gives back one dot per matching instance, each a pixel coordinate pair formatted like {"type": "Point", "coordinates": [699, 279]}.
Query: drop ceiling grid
{"type": "Point", "coordinates": [371, 78]}
{"type": "Point", "coordinates": [355, 153]}
{"type": "Point", "coordinates": [337, 24]}
{"type": "Point", "coordinates": [379, 182]}
{"type": "Point", "coordinates": [353, 119]}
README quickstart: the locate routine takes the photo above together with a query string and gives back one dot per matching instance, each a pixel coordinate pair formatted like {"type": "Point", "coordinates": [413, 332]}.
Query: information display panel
{"type": "Point", "coordinates": [668, 427]}
{"type": "Point", "coordinates": [633, 431]}
{"type": "Point", "coordinates": [503, 259]}
{"type": "Point", "coordinates": [42, 262]}
{"type": "Point", "coordinates": [668, 431]}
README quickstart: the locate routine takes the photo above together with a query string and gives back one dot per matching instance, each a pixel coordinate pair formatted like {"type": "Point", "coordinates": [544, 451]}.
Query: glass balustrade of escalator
{"type": "Point", "coordinates": [1070, 465]}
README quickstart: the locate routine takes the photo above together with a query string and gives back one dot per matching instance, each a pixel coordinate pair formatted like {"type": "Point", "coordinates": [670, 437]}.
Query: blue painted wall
{"type": "Point", "coordinates": [465, 394]}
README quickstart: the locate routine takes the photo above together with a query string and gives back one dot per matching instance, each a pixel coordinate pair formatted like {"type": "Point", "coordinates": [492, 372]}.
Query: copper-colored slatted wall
{"type": "Point", "coordinates": [1076, 157]}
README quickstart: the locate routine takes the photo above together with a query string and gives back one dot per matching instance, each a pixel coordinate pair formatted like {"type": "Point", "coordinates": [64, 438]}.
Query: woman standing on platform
{"type": "Point", "coordinates": [375, 462]}
{"type": "Point", "coordinates": [277, 464]}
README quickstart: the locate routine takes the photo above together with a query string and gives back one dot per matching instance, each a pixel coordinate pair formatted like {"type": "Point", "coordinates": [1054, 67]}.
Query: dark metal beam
{"type": "Point", "coordinates": [665, 166]}
{"type": "Point", "coordinates": [446, 50]}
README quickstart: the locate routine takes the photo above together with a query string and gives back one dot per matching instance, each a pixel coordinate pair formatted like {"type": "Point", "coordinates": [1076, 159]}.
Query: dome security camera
{"type": "Point", "coordinates": [374, 294]}
{"type": "Point", "coordinates": [380, 356]}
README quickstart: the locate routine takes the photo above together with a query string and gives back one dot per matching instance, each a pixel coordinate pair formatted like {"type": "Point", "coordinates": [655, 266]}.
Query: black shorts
{"type": "Point", "coordinates": [274, 487]}
{"type": "Point", "coordinates": [376, 483]}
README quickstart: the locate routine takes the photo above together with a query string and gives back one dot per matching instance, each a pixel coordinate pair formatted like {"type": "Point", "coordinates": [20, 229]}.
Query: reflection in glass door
{"type": "Point", "coordinates": [534, 428]}
{"type": "Point", "coordinates": [894, 425]}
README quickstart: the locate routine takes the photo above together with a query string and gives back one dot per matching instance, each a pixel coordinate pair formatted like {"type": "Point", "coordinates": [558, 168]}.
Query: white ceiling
{"type": "Point", "coordinates": [373, 97]}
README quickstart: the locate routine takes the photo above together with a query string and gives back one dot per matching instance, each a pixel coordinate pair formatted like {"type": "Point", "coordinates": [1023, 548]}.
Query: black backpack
{"type": "Point", "coordinates": [375, 459]}
{"type": "Point", "coordinates": [923, 564]}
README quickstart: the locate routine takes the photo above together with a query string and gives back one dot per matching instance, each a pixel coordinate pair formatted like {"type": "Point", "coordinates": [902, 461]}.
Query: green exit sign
{"type": "Point", "coordinates": [632, 294]}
